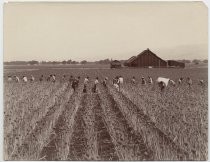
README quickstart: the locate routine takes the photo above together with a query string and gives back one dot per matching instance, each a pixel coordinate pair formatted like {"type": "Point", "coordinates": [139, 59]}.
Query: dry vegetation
{"type": "Point", "coordinates": [46, 121]}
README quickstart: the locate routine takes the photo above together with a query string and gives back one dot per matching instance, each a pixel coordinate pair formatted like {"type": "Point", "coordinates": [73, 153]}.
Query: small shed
{"type": "Point", "coordinates": [173, 63]}
{"type": "Point", "coordinates": [115, 64]}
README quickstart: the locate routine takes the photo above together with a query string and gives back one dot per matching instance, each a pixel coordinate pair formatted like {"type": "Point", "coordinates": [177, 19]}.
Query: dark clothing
{"type": "Point", "coordinates": [74, 85]}
{"type": "Point", "coordinates": [94, 88]}
{"type": "Point", "coordinates": [48, 78]}
{"type": "Point", "coordinates": [162, 86]}
{"type": "Point", "coordinates": [71, 80]}
{"type": "Point", "coordinates": [85, 89]}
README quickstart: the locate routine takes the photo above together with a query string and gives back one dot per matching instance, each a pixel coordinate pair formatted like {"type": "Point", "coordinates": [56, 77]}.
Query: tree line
{"type": "Point", "coordinates": [105, 61]}
{"type": "Point", "coordinates": [64, 62]}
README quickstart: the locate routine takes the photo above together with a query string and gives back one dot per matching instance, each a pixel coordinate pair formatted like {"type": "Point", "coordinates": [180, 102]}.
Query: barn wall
{"type": "Point", "coordinates": [147, 59]}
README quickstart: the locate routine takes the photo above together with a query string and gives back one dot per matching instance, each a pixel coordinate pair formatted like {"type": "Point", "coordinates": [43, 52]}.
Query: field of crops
{"type": "Point", "coordinates": [48, 121]}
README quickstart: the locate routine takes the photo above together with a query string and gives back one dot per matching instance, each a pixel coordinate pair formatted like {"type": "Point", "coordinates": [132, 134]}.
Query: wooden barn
{"type": "Point", "coordinates": [146, 59]}
{"type": "Point", "coordinates": [172, 63]}
{"type": "Point", "coordinates": [115, 64]}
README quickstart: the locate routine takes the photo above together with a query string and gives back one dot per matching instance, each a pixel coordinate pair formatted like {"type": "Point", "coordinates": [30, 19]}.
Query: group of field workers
{"type": "Point", "coordinates": [164, 82]}
{"type": "Point", "coordinates": [161, 81]}
{"type": "Point", "coordinates": [17, 79]}
{"type": "Point", "coordinates": [117, 81]}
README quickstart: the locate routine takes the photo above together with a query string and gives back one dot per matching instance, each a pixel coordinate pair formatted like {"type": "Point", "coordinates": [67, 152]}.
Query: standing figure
{"type": "Point", "coordinates": [105, 82]}
{"type": "Point", "coordinates": [150, 81]}
{"type": "Point", "coordinates": [32, 78]}
{"type": "Point", "coordinates": [120, 82]}
{"type": "Point", "coordinates": [115, 80]}
{"type": "Point", "coordinates": [95, 85]}
{"type": "Point", "coordinates": [64, 78]}
{"type": "Point", "coordinates": [133, 80]}
{"type": "Point", "coordinates": [17, 79]}
{"type": "Point", "coordinates": [77, 81]}
{"type": "Point", "coordinates": [74, 84]}
{"type": "Point", "coordinates": [143, 81]}
{"type": "Point", "coordinates": [86, 80]}
{"type": "Point", "coordinates": [180, 80]}
{"type": "Point", "coordinates": [49, 77]}
{"type": "Point", "coordinates": [53, 78]}
{"type": "Point", "coordinates": [71, 79]}
{"type": "Point", "coordinates": [189, 81]}
{"type": "Point", "coordinates": [41, 78]}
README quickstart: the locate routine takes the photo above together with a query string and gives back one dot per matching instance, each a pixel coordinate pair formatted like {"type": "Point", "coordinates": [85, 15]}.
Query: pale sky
{"type": "Point", "coordinates": [114, 30]}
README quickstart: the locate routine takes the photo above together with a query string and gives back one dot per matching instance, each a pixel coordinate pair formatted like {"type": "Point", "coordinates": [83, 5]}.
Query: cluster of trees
{"type": "Point", "coordinates": [105, 61]}
{"type": "Point", "coordinates": [195, 61]}
{"type": "Point", "coordinates": [59, 62]}
{"type": "Point", "coordinates": [64, 62]}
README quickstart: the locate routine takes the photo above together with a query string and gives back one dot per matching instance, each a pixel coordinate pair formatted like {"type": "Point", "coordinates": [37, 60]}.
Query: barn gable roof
{"type": "Point", "coordinates": [148, 50]}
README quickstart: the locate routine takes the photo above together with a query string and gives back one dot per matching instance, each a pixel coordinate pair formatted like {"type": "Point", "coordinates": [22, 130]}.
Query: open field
{"type": "Point", "coordinates": [48, 121]}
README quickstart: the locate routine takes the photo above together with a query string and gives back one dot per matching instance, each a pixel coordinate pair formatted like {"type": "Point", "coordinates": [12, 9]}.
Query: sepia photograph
{"type": "Point", "coordinates": [105, 81]}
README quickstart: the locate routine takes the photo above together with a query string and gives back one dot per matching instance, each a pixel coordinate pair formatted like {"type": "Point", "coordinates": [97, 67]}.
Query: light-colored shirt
{"type": "Point", "coordinates": [190, 81]}
{"type": "Point", "coordinates": [120, 80]}
{"type": "Point", "coordinates": [164, 80]}
{"type": "Point", "coordinates": [25, 79]}
{"type": "Point", "coordinates": [9, 79]}
{"type": "Point", "coordinates": [86, 81]}
{"type": "Point", "coordinates": [17, 79]}
{"type": "Point", "coordinates": [150, 81]}
{"type": "Point", "coordinates": [96, 81]}
{"type": "Point", "coordinates": [53, 77]}
{"type": "Point", "coordinates": [172, 82]}
{"type": "Point", "coordinates": [116, 86]}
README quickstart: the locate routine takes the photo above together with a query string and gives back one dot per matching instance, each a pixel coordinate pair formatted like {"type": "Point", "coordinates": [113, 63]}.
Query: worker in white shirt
{"type": "Point", "coordinates": [120, 82]}
{"type": "Point", "coordinates": [86, 80]}
{"type": "Point", "coordinates": [53, 78]}
{"type": "Point", "coordinates": [96, 82]}
{"type": "Point", "coordinates": [120, 79]}
{"type": "Point", "coordinates": [162, 82]}
{"type": "Point", "coordinates": [17, 79]}
{"type": "Point", "coordinates": [150, 81]}
{"type": "Point", "coordinates": [9, 78]}
{"type": "Point", "coordinates": [25, 79]}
